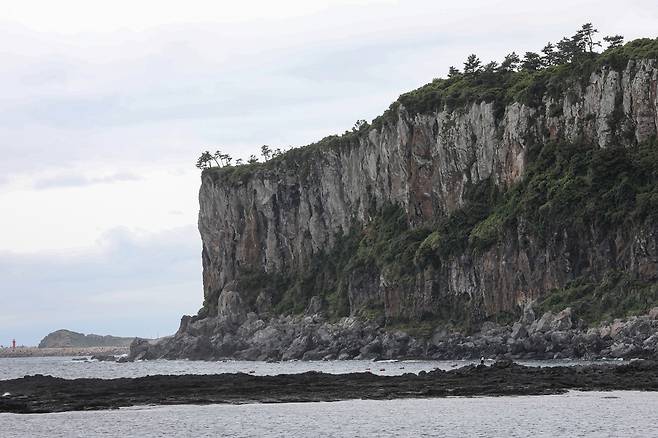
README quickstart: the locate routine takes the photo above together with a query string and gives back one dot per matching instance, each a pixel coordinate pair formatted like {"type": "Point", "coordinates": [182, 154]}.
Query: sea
{"type": "Point", "coordinates": [574, 414]}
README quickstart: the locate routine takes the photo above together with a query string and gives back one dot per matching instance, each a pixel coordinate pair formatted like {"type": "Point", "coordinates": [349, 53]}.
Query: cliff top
{"type": "Point", "coordinates": [501, 84]}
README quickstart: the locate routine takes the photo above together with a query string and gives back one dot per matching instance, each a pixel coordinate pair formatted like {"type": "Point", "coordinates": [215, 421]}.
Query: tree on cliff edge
{"type": "Point", "coordinates": [472, 65]}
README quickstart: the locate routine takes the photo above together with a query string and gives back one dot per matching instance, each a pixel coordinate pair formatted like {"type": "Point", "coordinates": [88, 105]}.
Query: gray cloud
{"type": "Point", "coordinates": [134, 286]}
{"type": "Point", "coordinates": [78, 180]}
{"type": "Point", "coordinates": [163, 94]}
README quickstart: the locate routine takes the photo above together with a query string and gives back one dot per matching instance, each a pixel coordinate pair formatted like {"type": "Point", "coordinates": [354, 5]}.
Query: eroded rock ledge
{"type": "Point", "coordinates": [39, 394]}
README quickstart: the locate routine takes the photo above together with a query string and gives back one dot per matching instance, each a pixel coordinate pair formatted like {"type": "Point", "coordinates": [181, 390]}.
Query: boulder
{"type": "Point", "coordinates": [314, 306]}
{"type": "Point", "coordinates": [519, 331]}
{"type": "Point", "coordinates": [653, 313]}
{"type": "Point", "coordinates": [562, 321]}
{"type": "Point", "coordinates": [264, 303]}
{"type": "Point", "coordinates": [344, 356]}
{"type": "Point", "coordinates": [489, 327]}
{"type": "Point", "coordinates": [439, 335]}
{"type": "Point", "coordinates": [622, 350]}
{"type": "Point", "coordinates": [560, 339]}
{"type": "Point", "coordinates": [370, 351]}
{"type": "Point", "coordinates": [230, 307]}
{"type": "Point", "coordinates": [616, 327]}
{"type": "Point", "coordinates": [528, 314]}
{"type": "Point", "coordinates": [297, 349]}
{"type": "Point", "coordinates": [104, 357]}
{"type": "Point", "coordinates": [544, 324]}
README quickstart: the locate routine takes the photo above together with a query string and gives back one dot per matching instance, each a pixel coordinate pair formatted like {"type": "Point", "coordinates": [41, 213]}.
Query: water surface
{"type": "Point", "coordinates": [575, 414]}
{"type": "Point", "coordinates": [67, 367]}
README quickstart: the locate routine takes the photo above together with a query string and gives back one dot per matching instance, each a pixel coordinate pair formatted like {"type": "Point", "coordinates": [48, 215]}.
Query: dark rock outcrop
{"type": "Point", "coordinates": [40, 394]}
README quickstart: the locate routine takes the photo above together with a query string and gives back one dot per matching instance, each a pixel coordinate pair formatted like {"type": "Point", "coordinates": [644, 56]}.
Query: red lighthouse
{"type": "Point", "coordinates": [13, 344]}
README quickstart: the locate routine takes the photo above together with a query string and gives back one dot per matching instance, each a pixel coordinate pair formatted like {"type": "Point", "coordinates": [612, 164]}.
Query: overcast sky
{"type": "Point", "coordinates": [105, 106]}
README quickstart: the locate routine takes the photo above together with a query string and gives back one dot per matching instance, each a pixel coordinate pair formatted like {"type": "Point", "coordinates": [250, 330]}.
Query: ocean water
{"type": "Point", "coordinates": [575, 414]}
{"type": "Point", "coordinates": [68, 368]}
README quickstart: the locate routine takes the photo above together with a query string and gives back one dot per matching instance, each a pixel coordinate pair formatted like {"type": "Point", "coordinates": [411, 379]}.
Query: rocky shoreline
{"type": "Point", "coordinates": [45, 394]}
{"type": "Point", "coordinates": [237, 335]}
{"type": "Point", "coordinates": [63, 352]}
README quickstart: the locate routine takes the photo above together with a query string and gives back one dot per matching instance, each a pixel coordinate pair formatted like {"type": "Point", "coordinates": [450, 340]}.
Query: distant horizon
{"type": "Point", "coordinates": [106, 111]}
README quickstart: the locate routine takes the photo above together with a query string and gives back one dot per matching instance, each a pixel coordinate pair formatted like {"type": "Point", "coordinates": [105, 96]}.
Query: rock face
{"type": "Point", "coordinates": [66, 338]}
{"type": "Point", "coordinates": [279, 218]}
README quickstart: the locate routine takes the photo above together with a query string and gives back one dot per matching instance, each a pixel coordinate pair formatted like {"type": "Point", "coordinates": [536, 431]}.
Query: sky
{"type": "Point", "coordinates": [105, 106]}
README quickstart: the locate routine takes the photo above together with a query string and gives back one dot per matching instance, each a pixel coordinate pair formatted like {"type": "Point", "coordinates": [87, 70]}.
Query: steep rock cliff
{"type": "Point", "coordinates": [445, 215]}
{"type": "Point", "coordinates": [279, 217]}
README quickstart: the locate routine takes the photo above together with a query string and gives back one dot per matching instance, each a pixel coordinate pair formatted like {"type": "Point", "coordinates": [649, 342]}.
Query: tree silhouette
{"type": "Point", "coordinates": [472, 65]}
{"type": "Point", "coordinates": [586, 36]}
{"type": "Point", "coordinates": [531, 61]}
{"type": "Point", "coordinates": [358, 125]}
{"type": "Point", "coordinates": [205, 160]}
{"type": "Point", "coordinates": [252, 159]}
{"type": "Point", "coordinates": [491, 67]}
{"type": "Point", "coordinates": [265, 151]}
{"type": "Point", "coordinates": [567, 49]}
{"type": "Point", "coordinates": [614, 41]}
{"type": "Point", "coordinates": [550, 57]}
{"type": "Point", "coordinates": [452, 72]}
{"type": "Point", "coordinates": [510, 63]}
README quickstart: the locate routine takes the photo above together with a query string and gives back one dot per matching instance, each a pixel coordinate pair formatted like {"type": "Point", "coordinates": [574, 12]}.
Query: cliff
{"type": "Point", "coordinates": [467, 201]}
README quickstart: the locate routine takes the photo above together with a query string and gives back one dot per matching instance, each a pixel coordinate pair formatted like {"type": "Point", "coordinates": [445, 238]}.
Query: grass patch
{"type": "Point", "coordinates": [617, 295]}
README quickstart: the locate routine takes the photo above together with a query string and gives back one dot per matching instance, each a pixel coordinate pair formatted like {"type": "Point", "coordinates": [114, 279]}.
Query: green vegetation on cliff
{"type": "Point", "coordinates": [583, 189]}
{"type": "Point", "coordinates": [617, 295]}
{"type": "Point", "coordinates": [567, 191]}
{"type": "Point", "coordinates": [504, 86]}
{"type": "Point", "coordinates": [576, 187]}
{"type": "Point", "coordinates": [525, 80]}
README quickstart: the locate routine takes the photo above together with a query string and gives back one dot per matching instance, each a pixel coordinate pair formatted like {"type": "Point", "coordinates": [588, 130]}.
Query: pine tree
{"type": "Point", "coordinates": [510, 63]}
{"type": "Point", "coordinates": [491, 67]}
{"type": "Point", "coordinates": [550, 57]}
{"type": "Point", "coordinates": [567, 49]}
{"type": "Point", "coordinates": [531, 61]}
{"type": "Point", "coordinates": [614, 41]}
{"type": "Point", "coordinates": [586, 35]}
{"type": "Point", "coordinates": [472, 65]}
{"type": "Point", "coordinates": [265, 151]}
{"type": "Point", "coordinates": [358, 125]}
{"type": "Point", "coordinates": [453, 72]}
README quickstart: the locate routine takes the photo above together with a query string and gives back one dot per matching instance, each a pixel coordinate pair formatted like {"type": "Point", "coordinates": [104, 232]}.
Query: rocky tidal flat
{"type": "Point", "coordinates": [45, 394]}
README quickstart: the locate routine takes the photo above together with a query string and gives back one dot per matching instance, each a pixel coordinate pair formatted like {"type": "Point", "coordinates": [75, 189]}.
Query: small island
{"type": "Point", "coordinates": [69, 343]}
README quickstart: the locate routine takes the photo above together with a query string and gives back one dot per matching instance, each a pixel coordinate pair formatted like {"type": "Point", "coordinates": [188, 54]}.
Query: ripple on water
{"type": "Point", "coordinates": [68, 368]}
{"type": "Point", "coordinates": [597, 414]}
